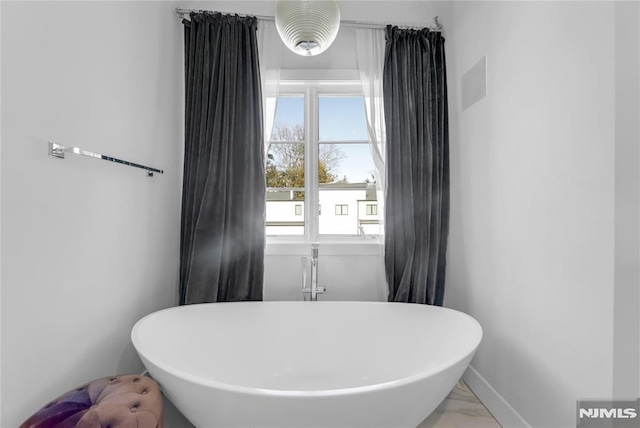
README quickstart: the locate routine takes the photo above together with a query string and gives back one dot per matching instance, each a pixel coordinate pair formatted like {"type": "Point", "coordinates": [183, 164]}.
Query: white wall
{"type": "Point", "coordinates": [88, 247]}
{"type": "Point", "coordinates": [349, 271]}
{"type": "Point", "coordinates": [626, 338]}
{"type": "Point", "coordinates": [531, 249]}
{"type": "Point", "coordinates": [0, 218]}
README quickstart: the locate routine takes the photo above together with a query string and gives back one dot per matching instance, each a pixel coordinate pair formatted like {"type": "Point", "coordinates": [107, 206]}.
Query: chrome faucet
{"type": "Point", "coordinates": [314, 289]}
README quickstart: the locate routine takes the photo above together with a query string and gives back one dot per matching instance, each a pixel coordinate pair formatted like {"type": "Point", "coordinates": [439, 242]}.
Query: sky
{"type": "Point", "coordinates": [340, 119]}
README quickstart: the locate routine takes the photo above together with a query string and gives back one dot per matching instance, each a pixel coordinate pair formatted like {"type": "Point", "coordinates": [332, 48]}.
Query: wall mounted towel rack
{"type": "Point", "coordinates": [58, 151]}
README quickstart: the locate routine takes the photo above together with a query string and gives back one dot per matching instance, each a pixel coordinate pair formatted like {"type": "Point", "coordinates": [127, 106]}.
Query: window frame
{"type": "Point", "coordinates": [311, 91]}
{"type": "Point", "coordinates": [342, 208]}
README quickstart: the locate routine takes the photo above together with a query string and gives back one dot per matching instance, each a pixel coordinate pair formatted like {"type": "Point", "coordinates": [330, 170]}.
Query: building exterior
{"type": "Point", "coordinates": [345, 209]}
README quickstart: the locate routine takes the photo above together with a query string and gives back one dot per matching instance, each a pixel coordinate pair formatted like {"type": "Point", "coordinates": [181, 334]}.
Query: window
{"type": "Point", "coordinates": [319, 155]}
{"type": "Point", "coordinates": [285, 169]}
{"type": "Point", "coordinates": [342, 209]}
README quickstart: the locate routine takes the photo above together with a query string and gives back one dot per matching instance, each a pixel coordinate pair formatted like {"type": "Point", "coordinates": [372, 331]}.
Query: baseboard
{"type": "Point", "coordinates": [493, 401]}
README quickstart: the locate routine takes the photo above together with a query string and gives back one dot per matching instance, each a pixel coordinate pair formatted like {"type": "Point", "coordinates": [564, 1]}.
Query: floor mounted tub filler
{"type": "Point", "coordinates": [306, 364]}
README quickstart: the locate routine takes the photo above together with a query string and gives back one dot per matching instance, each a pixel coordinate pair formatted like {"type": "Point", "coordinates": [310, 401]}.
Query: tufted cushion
{"type": "Point", "coordinates": [111, 402]}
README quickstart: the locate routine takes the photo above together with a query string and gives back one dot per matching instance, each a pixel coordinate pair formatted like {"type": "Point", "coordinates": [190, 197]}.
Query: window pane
{"type": "Point", "coordinates": [285, 165]}
{"type": "Point", "coordinates": [342, 119]}
{"type": "Point", "coordinates": [345, 163]}
{"type": "Point", "coordinates": [285, 189]}
{"type": "Point", "coordinates": [345, 170]}
{"type": "Point", "coordinates": [282, 212]}
{"type": "Point", "coordinates": [346, 177]}
{"type": "Point", "coordinates": [288, 123]}
{"type": "Point", "coordinates": [350, 215]}
{"type": "Point", "coordinates": [342, 209]}
{"type": "Point", "coordinates": [368, 222]}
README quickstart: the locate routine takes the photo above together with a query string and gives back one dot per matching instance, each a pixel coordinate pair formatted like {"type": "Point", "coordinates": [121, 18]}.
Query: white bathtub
{"type": "Point", "coordinates": [306, 364]}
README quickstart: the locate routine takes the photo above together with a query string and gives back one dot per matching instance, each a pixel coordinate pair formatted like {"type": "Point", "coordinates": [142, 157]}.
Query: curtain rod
{"type": "Point", "coordinates": [184, 13]}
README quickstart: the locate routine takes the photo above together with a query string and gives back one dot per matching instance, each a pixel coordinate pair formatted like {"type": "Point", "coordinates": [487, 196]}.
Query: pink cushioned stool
{"type": "Point", "coordinates": [129, 401]}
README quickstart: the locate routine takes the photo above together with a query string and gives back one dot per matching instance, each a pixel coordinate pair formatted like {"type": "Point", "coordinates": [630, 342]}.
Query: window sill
{"type": "Point", "coordinates": [370, 246]}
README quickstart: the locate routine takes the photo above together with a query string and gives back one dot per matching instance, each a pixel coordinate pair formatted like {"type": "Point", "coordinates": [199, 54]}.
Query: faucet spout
{"type": "Point", "coordinates": [313, 290]}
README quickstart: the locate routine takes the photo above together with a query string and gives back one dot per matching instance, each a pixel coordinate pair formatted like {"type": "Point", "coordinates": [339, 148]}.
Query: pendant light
{"type": "Point", "coordinates": [307, 27]}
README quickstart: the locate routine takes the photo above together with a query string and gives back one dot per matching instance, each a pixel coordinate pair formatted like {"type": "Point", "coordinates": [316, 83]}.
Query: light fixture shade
{"type": "Point", "coordinates": [307, 27]}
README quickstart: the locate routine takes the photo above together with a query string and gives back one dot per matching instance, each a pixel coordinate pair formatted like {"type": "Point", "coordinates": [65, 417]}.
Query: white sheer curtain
{"type": "Point", "coordinates": [370, 49]}
{"type": "Point", "coordinates": [370, 45]}
{"type": "Point", "coordinates": [270, 56]}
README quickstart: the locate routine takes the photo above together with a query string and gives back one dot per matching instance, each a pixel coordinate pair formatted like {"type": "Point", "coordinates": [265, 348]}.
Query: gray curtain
{"type": "Point", "coordinates": [223, 196]}
{"type": "Point", "coordinates": [417, 159]}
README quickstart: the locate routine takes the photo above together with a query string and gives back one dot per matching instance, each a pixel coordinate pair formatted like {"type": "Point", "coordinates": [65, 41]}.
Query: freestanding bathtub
{"type": "Point", "coordinates": [306, 364]}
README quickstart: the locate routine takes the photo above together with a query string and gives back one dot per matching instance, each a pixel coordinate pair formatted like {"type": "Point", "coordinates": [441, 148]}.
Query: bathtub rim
{"type": "Point", "coordinates": [224, 386]}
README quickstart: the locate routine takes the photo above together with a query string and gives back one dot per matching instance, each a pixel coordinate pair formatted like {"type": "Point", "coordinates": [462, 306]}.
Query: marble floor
{"type": "Point", "coordinates": [461, 409]}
